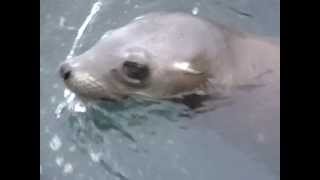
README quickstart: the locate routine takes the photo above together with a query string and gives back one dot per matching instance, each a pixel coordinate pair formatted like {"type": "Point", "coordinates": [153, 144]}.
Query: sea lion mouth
{"type": "Point", "coordinates": [85, 85]}
{"type": "Point", "coordinates": [108, 99]}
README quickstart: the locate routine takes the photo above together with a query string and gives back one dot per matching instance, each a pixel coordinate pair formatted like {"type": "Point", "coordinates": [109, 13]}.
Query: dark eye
{"type": "Point", "coordinates": [135, 70]}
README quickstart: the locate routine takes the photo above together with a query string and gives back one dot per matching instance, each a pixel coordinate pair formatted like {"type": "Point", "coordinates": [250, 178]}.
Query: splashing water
{"type": "Point", "coordinates": [70, 96]}
{"type": "Point", "coordinates": [95, 8]}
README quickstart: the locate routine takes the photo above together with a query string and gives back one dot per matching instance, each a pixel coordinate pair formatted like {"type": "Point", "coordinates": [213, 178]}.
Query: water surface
{"type": "Point", "coordinates": [139, 141]}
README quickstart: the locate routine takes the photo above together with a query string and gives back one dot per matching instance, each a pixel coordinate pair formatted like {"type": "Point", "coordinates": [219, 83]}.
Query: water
{"type": "Point", "coordinates": [150, 140]}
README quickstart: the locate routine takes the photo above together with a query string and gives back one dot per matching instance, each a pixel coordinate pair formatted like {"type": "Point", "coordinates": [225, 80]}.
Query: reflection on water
{"type": "Point", "coordinates": [122, 117]}
{"type": "Point", "coordinates": [122, 137]}
{"type": "Point", "coordinates": [127, 122]}
{"type": "Point", "coordinates": [141, 139]}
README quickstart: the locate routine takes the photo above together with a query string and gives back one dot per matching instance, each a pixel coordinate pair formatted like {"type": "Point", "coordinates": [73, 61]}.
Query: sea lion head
{"type": "Point", "coordinates": [168, 56]}
{"type": "Point", "coordinates": [116, 73]}
{"type": "Point", "coordinates": [144, 57]}
{"type": "Point", "coordinates": [133, 71]}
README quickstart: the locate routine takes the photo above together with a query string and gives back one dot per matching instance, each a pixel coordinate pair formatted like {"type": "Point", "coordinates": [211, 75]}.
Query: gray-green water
{"type": "Point", "coordinates": [140, 141]}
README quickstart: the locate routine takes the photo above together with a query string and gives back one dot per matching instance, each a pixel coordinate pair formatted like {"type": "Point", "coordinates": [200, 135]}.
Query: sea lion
{"type": "Point", "coordinates": [167, 55]}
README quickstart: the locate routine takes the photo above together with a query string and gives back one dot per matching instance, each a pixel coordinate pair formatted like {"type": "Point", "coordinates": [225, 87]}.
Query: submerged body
{"type": "Point", "coordinates": [164, 55]}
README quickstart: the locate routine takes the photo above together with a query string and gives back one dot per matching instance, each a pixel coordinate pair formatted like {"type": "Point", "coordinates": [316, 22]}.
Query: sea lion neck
{"type": "Point", "coordinates": [254, 60]}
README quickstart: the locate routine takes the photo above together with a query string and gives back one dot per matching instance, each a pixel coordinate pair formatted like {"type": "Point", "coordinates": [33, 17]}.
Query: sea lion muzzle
{"type": "Point", "coordinates": [65, 70]}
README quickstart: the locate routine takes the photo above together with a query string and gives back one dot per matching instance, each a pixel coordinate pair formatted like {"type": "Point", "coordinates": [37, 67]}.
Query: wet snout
{"type": "Point", "coordinates": [65, 70]}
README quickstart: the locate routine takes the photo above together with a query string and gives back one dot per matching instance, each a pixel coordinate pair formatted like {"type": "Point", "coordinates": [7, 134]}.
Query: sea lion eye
{"type": "Point", "coordinates": [135, 70]}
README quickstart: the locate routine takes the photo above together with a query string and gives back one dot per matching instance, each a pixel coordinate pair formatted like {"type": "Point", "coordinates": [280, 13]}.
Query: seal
{"type": "Point", "coordinates": [168, 55]}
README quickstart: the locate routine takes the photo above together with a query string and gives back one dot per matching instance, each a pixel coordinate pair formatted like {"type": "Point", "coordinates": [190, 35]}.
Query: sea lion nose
{"type": "Point", "coordinates": [65, 71]}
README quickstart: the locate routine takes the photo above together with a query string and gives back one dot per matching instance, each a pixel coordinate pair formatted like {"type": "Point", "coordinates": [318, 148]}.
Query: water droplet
{"type": "Point", "coordinates": [55, 86]}
{"type": "Point", "coordinates": [71, 28]}
{"type": "Point", "coordinates": [59, 109]}
{"type": "Point", "coordinates": [62, 20]}
{"type": "Point", "coordinates": [59, 161]}
{"type": "Point", "coordinates": [195, 10]}
{"type": "Point", "coordinates": [170, 141]}
{"type": "Point", "coordinates": [138, 18]}
{"type": "Point", "coordinates": [46, 129]}
{"type": "Point", "coordinates": [55, 143]}
{"type": "Point", "coordinates": [79, 107]}
{"type": "Point", "coordinates": [52, 99]}
{"type": "Point", "coordinates": [95, 157]}
{"type": "Point", "coordinates": [66, 93]}
{"type": "Point", "coordinates": [133, 147]}
{"type": "Point", "coordinates": [68, 168]}
{"type": "Point", "coordinates": [261, 138]}
{"type": "Point", "coordinates": [72, 148]}
{"type": "Point", "coordinates": [184, 171]}
{"type": "Point", "coordinates": [140, 172]}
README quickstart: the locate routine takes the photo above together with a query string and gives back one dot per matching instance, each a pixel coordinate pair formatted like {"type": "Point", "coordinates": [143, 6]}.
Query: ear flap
{"type": "Point", "coordinates": [186, 68]}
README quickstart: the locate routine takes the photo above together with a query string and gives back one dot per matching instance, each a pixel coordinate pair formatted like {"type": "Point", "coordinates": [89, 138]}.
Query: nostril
{"type": "Point", "coordinates": [65, 71]}
{"type": "Point", "coordinates": [67, 75]}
